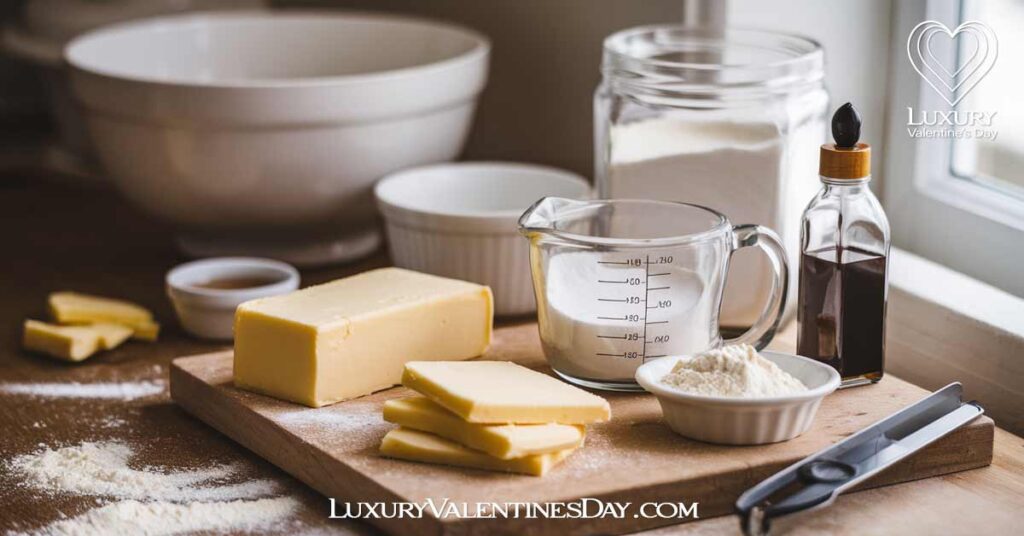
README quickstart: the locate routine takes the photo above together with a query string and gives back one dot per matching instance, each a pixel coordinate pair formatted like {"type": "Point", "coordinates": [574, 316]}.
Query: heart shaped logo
{"type": "Point", "coordinates": [978, 56]}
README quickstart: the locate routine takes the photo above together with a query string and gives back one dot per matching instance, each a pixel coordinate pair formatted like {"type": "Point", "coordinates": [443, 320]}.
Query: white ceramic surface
{"type": "Point", "coordinates": [209, 313]}
{"type": "Point", "coordinates": [265, 131]}
{"type": "Point", "coordinates": [45, 26]}
{"type": "Point", "coordinates": [460, 221]}
{"type": "Point", "coordinates": [742, 421]}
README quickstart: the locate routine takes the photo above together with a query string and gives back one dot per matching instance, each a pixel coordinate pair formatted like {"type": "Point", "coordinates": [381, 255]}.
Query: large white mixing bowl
{"type": "Point", "coordinates": [262, 133]}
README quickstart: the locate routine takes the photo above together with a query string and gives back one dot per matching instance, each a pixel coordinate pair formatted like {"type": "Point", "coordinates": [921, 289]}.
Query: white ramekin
{"type": "Point", "coordinates": [742, 421]}
{"type": "Point", "coordinates": [209, 313]}
{"type": "Point", "coordinates": [460, 221]}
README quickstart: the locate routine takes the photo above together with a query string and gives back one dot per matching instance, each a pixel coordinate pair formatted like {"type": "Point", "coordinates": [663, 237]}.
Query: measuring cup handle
{"type": "Point", "coordinates": [762, 332]}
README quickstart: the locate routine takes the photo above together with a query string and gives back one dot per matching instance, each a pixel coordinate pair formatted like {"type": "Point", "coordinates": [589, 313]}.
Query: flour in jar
{"type": "Point", "coordinates": [752, 172]}
{"type": "Point", "coordinates": [600, 319]}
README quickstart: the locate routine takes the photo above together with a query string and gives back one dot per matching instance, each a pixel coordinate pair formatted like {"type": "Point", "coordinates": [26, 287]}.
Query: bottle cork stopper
{"type": "Point", "coordinates": [846, 158]}
{"type": "Point", "coordinates": [845, 162]}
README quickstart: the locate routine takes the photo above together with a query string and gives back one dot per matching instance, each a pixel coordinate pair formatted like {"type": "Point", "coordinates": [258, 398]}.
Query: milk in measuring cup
{"type": "Point", "coordinates": [607, 313]}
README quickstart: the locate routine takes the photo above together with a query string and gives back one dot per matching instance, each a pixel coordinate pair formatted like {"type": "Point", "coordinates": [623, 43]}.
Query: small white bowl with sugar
{"type": "Point", "coordinates": [741, 420]}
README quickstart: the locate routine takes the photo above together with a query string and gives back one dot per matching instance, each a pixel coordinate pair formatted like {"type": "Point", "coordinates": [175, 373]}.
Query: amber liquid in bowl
{"type": "Point", "coordinates": [235, 283]}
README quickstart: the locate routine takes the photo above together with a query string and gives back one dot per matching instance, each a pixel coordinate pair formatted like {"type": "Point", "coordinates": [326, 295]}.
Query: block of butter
{"type": "Point", "coordinates": [72, 343]}
{"type": "Point", "coordinates": [75, 308]}
{"type": "Point", "coordinates": [503, 392]}
{"type": "Point", "coordinates": [353, 336]}
{"type": "Point", "coordinates": [417, 446]}
{"type": "Point", "coordinates": [503, 441]}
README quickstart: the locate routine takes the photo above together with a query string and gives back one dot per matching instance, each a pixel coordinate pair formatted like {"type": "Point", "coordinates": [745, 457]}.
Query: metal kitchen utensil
{"type": "Point", "coordinates": [817, 480]}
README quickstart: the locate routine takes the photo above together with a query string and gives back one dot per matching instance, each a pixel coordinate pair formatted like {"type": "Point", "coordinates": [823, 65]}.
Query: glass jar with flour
{"type": "Point", "coordinates": [726, 119]}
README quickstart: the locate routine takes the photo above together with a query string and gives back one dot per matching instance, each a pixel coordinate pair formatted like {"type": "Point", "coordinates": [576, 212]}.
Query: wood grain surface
{"type": "Point", "coordinates": [61, 237]}
{"type": "Point", "coordinates": [334, 450]}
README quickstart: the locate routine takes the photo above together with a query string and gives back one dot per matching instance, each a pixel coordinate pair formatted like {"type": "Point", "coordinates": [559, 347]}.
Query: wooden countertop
{"type": "Point", "coordinates": [55, 237]}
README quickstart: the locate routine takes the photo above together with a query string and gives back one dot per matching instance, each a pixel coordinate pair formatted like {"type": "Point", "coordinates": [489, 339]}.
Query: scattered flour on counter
{"type": "Point", "coordinates": [152, 500]}
{"type": "Point", "coordinates": [350, 426]}
{"type": "Point", "coordinates": [111, 422]}
{"type": "Point", "coordinates": [160, 518]}
{"type": "Point", "coordinates": [108, 390]}
{"type": "Point", "coordinates": [734, 371]}
{"type": "Point", "coordinates": [102, 469]}
{"type": "Point", "coordinates": [346, 417]}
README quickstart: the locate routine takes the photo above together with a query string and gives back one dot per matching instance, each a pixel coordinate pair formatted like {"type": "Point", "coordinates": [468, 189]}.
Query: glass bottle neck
{"type": "Point", "coordinates": [845, 186]}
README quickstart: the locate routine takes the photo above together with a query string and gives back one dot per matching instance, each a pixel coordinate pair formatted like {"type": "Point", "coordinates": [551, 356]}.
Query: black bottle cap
{"type": "Point", "coordinates": [847, 158]}
{"type": "Point", "coordinates": [846, 127]}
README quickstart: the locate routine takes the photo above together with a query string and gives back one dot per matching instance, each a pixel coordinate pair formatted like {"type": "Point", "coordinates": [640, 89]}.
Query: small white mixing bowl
{"type": "Point", "coordinates": [461, 221]}
{"type": "Point", "coordinates": [742, 421]}
{"type": "Point", "coordinates": [261, 133]}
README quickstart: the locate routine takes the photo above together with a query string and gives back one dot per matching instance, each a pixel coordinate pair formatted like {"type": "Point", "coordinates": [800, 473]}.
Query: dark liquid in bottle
{"type": "Point", "coordinates": [841, 311]}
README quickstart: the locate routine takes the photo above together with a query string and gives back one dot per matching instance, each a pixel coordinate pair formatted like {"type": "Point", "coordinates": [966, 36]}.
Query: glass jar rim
{"type": "Point", "coordinates": [671, 58]}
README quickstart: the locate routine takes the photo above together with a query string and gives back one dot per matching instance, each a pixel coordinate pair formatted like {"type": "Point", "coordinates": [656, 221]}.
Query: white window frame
{"type": "Point", "coordinates": [960, 223]}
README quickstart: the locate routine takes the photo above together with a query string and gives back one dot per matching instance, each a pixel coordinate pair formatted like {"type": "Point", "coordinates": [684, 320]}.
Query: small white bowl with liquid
{"type": "Point", "coordinates": [205, 293]}
{"type": "Point", "coordinates": [742, 421]}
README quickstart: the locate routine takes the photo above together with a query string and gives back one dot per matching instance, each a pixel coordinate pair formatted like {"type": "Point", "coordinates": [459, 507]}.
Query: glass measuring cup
{"type": "Point", "coordinates": [622, 281]}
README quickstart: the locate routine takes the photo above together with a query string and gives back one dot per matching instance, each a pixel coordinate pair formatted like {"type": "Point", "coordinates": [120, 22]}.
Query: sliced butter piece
{"type": "Point", "coordinates": [417, 446]}
{"type": "Point", "coordinates": [111, 335]}
{"type": "Point", "coordinates": [352, 337]}
{"type": "Point", "coordinates": [75, 308]}
{"type": "Point", "coordinates": [503, 441]}
{"type": "Point", "coordinates": [503, 392]}
{"type": "Point", "coordinates": [146, 331]}
{"type": "Point", "coordinates": [70, 343]}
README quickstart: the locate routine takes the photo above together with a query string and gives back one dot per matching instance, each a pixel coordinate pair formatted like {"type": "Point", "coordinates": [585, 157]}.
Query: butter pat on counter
{"type": "Point", "coordinates": [504, 441]}
{"type": "Point", "coordinates": [353, 336]}
{"type": "Point", "coordinates": [75, 308]}
{"type": "Point", "coordinates": [146, 331]}
{"type": "Point", "coordinates": [72, 343]}
{"type": "Point", "coordinates": [418, 446]}
{"type": "Point", "coordinates": [503, 392]}
{"type": "Point", "coordinates": [111, 335]}
{"type": "Point", "coordinates": [88, 324]}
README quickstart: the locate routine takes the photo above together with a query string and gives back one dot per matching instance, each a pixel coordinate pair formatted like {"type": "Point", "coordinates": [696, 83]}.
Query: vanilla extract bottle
{"type": "Point", "coordinates": [843, 264]}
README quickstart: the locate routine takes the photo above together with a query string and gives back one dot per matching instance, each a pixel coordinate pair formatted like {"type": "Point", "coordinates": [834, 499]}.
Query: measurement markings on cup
{"type": "Point", "coordinates": [638, 336]}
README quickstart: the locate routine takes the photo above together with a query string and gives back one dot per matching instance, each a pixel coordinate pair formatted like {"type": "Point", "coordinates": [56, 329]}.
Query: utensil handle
{"type": "Point", "coordinates": [819, 478]}
{"type": "Point", "coordinates": [762, 332]}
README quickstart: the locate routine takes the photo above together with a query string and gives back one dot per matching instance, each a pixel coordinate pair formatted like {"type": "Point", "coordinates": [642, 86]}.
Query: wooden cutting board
{"type": "Point", "coordinates": [633, 458]}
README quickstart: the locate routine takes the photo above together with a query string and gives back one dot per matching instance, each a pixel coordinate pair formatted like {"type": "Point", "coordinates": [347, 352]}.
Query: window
{"type": "Point", "coordinates": [996, 163]}
{"type": "Point", "coordinates": [954, 171]}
